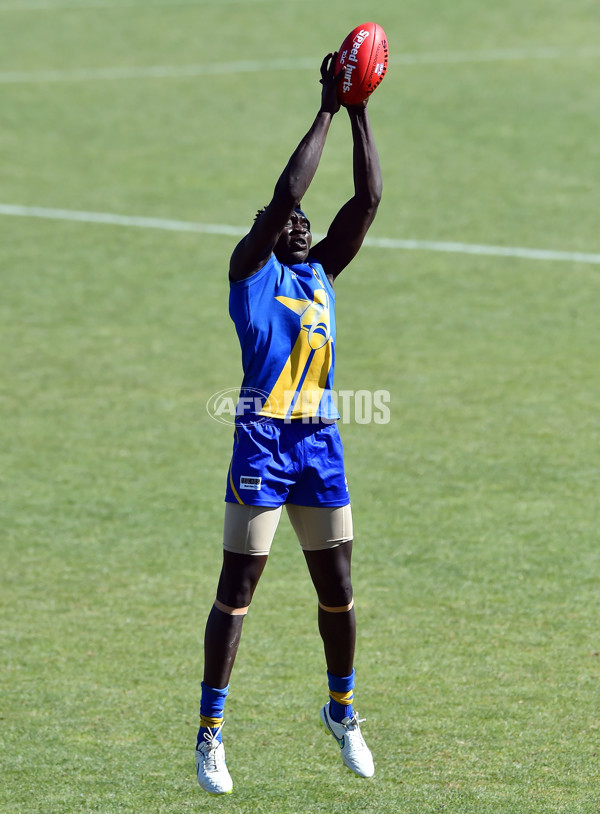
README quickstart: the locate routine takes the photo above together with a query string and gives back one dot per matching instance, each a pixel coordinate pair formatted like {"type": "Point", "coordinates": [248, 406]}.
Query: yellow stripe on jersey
{"type": "Point", "coordinates": [233, 489]}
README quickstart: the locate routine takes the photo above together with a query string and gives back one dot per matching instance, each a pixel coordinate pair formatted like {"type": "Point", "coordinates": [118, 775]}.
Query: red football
{"type": "Point", "coordinates": [364, 57]}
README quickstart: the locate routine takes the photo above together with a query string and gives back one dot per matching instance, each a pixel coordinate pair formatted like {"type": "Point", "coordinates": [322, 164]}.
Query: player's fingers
{"type": "Point", "coordinates": [325, 66]}
{"type": "Point", "coordinates": [332, 65]}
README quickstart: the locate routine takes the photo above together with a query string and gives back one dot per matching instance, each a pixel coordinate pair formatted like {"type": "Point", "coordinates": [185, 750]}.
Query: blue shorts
{"type": "Point", "coordinates": [276, 461]}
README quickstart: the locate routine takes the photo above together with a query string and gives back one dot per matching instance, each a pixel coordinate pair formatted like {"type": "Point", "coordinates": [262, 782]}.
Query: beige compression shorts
{"type": "Point", "coordinates": [250, 529]}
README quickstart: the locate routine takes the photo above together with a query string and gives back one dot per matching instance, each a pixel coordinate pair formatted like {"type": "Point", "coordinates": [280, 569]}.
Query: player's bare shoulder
{"type": "Point", "coordinates": [253, 250]}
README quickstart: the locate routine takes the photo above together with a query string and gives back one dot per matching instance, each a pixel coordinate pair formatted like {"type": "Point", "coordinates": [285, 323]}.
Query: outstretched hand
{"type": "Point", "coordinates": [358, 108]}
{"type": "Point", "coordinates": [330, 102]}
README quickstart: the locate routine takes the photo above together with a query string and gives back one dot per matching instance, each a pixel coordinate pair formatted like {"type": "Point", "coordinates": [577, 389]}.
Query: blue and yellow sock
{"type": "Point", "coordinates": [212, 705]}
{"type": "Point", "coordinates": [341, 695]}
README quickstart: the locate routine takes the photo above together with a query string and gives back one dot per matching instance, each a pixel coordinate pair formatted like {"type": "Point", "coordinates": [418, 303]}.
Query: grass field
{"type": "Point", "coordinates": [477, 507]}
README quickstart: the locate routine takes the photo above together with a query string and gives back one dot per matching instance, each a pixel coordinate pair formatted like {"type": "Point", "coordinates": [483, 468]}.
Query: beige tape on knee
{"type": "Point", "coordinates": [229, 610]}
{"type": "Point", "coordinates": [339, 609]}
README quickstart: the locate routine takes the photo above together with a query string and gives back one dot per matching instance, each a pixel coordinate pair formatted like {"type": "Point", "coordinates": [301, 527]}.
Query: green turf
{"type": "Point", "coordinates": [476, 508]}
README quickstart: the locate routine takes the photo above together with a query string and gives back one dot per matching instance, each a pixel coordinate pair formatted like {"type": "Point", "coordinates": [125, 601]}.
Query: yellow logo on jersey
{"type": "Point", "coordinates": [304, 374]}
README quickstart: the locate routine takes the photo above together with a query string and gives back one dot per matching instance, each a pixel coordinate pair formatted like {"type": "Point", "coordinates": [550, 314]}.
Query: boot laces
{"type": "Point", "coordinates": [210, 749]}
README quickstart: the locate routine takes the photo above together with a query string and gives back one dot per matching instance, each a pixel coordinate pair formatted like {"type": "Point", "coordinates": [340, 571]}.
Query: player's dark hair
{"type": "Point", "coordinates": [296, 209]}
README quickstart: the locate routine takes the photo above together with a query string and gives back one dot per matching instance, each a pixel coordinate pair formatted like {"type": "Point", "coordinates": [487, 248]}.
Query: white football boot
{"type": "Point", "coordinates": [211, 768]}
{"type": "Point", "coordinates": [355, 752]}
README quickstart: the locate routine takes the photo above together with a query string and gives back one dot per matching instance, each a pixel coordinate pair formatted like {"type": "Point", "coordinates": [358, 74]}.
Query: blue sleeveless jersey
{"type": "Point", "coordinates": [285, 321]}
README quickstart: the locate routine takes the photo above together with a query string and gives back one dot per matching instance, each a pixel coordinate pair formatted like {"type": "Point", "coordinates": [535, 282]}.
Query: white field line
{"type": "Point", "coordinates": [156, 71]}
{"type": "Point", "coordinates": [121, 220]}
{"type": "Point", "coordinates": [287, 64]}
{"type": "Point", "coordinates": [48, 5]}
{"type": "Point", "coordinates": [238, 231]}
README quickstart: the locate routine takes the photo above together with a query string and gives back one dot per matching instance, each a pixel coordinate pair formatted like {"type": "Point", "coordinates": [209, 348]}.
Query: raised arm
{"type": "Point", "coordinates": [350, 225]}
{"type": "Point", "coordinates": [253, 251]}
